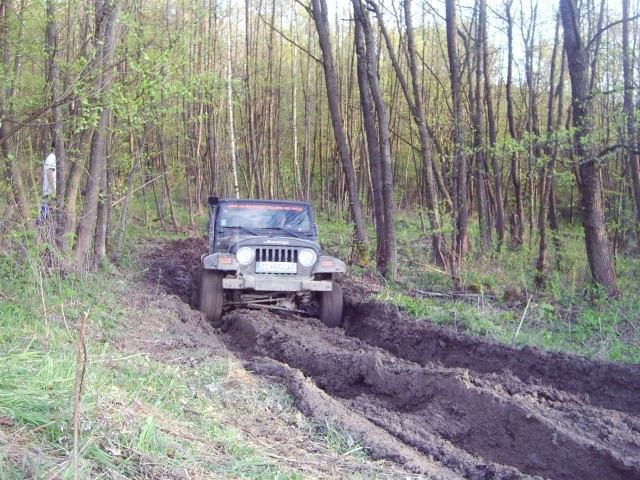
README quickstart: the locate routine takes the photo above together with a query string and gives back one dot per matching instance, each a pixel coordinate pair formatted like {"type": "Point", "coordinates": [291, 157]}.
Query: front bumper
{"type": "Point", "coordinates": [245, 277]}
{"type": "Point", "coordinates": [275, 283]}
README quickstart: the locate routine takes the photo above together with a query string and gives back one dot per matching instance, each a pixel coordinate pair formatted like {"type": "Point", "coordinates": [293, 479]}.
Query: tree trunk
{"type": "Point", "coordinates": [628, 107]}
{"type": "Point", "coordinates": [417, 113]}
{"type": "Point", "coordinates": [86, 227]}
{"type": "Point", "coordinates": [270, 107]}
{"type": "Point", "coordinates": [11, 170]}
{"type": "Point", "coordinates": [106, 30]}
{"type": "Point", "coordinates": [320, 16]}
{"type": "Point", "coordinates": [517, 217]}
{"type": "Point", "coordinates": [484, 220]}
{"type": "Point", "coordinates": [232, 133]}
{"type": "Point", "coordinates": [532, 121]}
{"type": "Point", "coordinates": [57, 133]}
{"type": "Point", "coordinates": [165, 180]}
{"type": "Point", "coordinates": [546, 172]}
{"type": "Point", "coordinates": [297, 189]}
{"type": "Point", "coordinates": [599, 252]}
{"type": "Point", "coordinates": [254, 166]}
{"type": "Point", "coordinates": [385, 147]}
{"type": "Point", "coordinates": [102, 221]}
{"type": "Point", "coordinates": [368, 119]}
{"type": "Point", "coordinates": [389, 266]}
{"type": "Point", "coordinates": [460, 213]}
{"type": "Point", "coordinates": [491, 123]}
{"type": "Point", "coordinates": [135, 152]}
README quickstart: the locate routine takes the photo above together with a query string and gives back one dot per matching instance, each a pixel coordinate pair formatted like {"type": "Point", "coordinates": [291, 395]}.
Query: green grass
{"type": "Point", "coordinates": [141, 417]}
{"type": "Point", "coordinates": [342, 444]}
{"type": "Point", "coordinates": [136, 413]}
{"type": "Point", "coordinates": [568, 314]}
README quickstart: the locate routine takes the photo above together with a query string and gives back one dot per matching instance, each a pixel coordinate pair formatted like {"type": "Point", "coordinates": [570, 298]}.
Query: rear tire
{"type": "Point", "coordinates": [211, 296]}
{"type": "Point", "coordinates": [331, 304]}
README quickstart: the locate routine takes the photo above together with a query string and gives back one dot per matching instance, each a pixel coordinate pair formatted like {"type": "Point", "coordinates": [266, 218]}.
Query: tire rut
{"type": "Point", "coordinates": [443, 404]}
{"type": "Point", "coordinates": [451, 414]}
{"type": "Point", "coordinates": [607, 384]}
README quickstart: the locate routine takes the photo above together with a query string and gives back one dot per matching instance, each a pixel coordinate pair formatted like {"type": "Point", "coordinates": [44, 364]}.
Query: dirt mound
{"type": "Point", "coordinates": [610, 385]}
{"type": "Point", "coordinates": [442, 404]}
{"type": "Point", "coordinates": [175, 266]}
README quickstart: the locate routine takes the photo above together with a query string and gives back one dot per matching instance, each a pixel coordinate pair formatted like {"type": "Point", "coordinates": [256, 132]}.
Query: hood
{"type": "Point", "coordinates": [232, 243]}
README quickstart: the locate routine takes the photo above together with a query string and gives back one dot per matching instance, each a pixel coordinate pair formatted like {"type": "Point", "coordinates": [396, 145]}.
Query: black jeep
{"type": "Point", "coordinates": [265, 254]}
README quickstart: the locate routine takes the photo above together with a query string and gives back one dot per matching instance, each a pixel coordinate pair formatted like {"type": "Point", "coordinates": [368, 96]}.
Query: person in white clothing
{"type": "Point", "coordinates": [49, 175]}
{"type": "Point", "coordinates": [48, 182]}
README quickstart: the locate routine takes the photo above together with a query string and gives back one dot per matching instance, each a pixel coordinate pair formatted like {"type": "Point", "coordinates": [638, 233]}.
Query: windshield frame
{"type": "Point", "coordinates": [267, 217]}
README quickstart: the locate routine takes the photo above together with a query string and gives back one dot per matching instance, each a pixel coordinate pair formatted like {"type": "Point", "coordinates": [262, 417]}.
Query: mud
{"type": "Point", "coordinates": [442, 404]}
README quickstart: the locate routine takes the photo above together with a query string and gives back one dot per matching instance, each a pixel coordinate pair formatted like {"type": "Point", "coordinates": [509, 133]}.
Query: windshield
{"type": "Point", "coordinates": [255, 216]}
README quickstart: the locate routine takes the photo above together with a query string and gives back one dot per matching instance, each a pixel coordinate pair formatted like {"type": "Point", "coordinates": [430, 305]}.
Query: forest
{"type": "Point", "coordinates": [497, 123]}
{"type": "Point", "coordinates": [476, 164]}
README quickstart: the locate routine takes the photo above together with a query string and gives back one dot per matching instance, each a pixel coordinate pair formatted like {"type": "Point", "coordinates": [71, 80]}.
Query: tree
{"type": "Point", "coordinates": [10, 65]}
{"type": "Point", "coordinates": [546, 171]}
{"type": "Point", "coordinates": [484, 220]}
{"type": "Point", "coordinates": [232, 132]}
{"type": "Point", "coordinates": [414, 100]}
{"type": "Point", "coordinates": [491, 123]}
{"type": "Point", "coordinates": [104, 44]}
{"type": "Point", "coordinates": [599, 253]}
{"type": "Point", "coordinates": [319, 14]}
{"type": "Point", "coordinates": [517, 216]}
{"type": "Point", "coordinates": [378, 142]}
{"type": "Point", "coordinates": [461, 213]}
{"type": "Point", "coordinates": [368, 119]}
{"type": "Point", "coordinates": [628, 107]}
{"type": "Point", "coordinates": [57, 131]}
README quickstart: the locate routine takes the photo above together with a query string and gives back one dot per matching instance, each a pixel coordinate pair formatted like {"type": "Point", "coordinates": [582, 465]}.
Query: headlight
{"type": "Point", "coordinates": [244, 255]}
{"type": "Point", "coordinates": [307, 257]}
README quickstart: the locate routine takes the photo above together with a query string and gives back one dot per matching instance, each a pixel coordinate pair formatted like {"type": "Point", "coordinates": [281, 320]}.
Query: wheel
{"type": "Point", "coordinates": [211, 296]}
{"type": "Point", "coordinates": [331, 306]}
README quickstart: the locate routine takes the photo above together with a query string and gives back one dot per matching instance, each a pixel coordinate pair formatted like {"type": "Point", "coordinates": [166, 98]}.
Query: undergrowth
{"type": "Point", "coordinates": [142, 418]}
{"type": "Point", "coordinates": [501, 300]}
{"type": "Point", "coordinates": [138, 417]}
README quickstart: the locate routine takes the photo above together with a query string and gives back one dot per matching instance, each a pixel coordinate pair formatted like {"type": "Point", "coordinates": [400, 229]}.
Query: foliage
{"type": "Point", "coordinates": [169, 146]}
{"type": "Point", "coordinates": [136, 414]}
{"type": "Point", "coordinates": [569, 314]}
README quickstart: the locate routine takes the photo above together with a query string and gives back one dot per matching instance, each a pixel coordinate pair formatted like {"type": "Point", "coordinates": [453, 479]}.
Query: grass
{"type": "Point", "coordinates": [140, 417]}
{"type": "Point", "coordinates": [568, 314]}
{"type": "Point", "coordinates": [144, 417]}
{"type": "Point", "coordinates": [134, 421]}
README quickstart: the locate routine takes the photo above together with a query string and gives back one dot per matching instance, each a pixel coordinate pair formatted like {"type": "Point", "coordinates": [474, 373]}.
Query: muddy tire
{"type": "Point", "coordinates": [211, 296]}
{"type": "Point", "coordinates": [331, 306]}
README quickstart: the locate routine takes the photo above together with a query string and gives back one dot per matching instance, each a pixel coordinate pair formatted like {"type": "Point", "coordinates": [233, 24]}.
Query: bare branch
{"type": "Point", "coordinates": [291, 41]}
{"type": "Point", "coordinates": [607, 27]}
{"type": "Point", "coordinates": [306, 7]}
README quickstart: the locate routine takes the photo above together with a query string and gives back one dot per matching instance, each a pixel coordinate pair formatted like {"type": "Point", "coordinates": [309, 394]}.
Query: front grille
{"type": "Point", "coordinates": [277, 255]}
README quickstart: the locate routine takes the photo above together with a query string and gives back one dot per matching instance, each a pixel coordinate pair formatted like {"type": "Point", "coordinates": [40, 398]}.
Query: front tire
{"type": "Point", "coordinates": [331, 304]}
{"type": "Point", "coordinates": [211, 296]}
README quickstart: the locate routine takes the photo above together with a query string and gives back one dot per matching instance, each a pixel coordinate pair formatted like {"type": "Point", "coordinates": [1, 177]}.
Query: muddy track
{"type": "Point", "coordinates": [443, 404]}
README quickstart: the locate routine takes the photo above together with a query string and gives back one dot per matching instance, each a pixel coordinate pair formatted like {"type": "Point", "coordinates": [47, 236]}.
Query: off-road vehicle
{"type": "Point", "coordinates": [265, 254]}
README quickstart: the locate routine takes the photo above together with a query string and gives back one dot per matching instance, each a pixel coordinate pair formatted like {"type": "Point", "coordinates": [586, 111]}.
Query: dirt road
{"type": "Point", "coordinates": [442, 404]}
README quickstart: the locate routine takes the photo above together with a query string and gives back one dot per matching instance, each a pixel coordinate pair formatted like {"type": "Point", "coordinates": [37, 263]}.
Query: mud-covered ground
{"type": "Point", "coordinates": [442, 404]}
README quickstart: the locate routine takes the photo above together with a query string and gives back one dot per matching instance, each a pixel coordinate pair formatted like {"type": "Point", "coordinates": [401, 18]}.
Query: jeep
{"type": "Point", "coordinates": [265, 254]}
